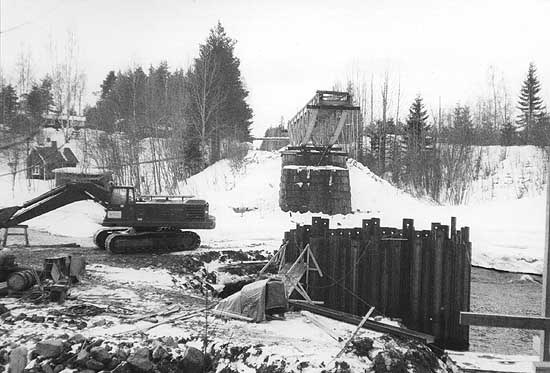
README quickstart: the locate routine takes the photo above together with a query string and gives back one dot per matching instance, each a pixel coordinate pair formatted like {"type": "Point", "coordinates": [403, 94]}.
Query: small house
{"type": "Point", "coordinates": [43, 160]}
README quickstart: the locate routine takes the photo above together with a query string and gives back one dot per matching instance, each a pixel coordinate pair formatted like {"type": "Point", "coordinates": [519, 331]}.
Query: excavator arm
{"type": "Point", "coordinates": [54, 199]}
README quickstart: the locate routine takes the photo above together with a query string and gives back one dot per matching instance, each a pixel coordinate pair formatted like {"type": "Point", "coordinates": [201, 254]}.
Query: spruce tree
{"type": "Point", "coordinates": [416, 127]}
{"type": "Point", "coordinates": [8, 105]}
{"type": "Point", "coordinates": [217, 107]}
{"type": "Point", "coordinates": [507, 134]}
{"type": "Point", "coordinates": [530, 103]}
{"type": "Point", "coordinates": [107, 84]}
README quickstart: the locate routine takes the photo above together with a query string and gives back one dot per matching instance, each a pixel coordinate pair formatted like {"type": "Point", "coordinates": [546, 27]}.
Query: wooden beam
{"type": "Point", "coordinates": [505, 321]}
{"type": "Point", "coordinates": [311, 124]}
{"type": "Point", "coordinates": [339, 128]}
{"type": "Point", "coordinates": [369, 324]}
{"type": "Point", "coordinates": [274, 138]}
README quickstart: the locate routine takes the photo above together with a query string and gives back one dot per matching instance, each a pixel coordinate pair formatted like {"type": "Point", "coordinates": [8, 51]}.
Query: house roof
{"type": "Point", "coordinates": [52, 155]}
{"type": "Point", "coordinates": [69, 156]}
{"type": "Point", "coordinates": [49, 155]}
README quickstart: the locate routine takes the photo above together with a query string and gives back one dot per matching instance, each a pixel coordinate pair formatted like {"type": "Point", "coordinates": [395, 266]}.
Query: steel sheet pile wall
{"type": "Point", "coordinates": [421, 277]}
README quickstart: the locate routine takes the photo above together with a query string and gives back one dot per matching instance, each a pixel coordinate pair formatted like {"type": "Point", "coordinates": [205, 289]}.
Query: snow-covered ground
{"type": "Point", "coordinates": [507, 233]}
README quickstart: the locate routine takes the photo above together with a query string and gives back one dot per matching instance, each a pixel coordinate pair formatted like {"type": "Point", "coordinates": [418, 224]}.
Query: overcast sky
{"type": "Point", "coordinates": [289, 49]}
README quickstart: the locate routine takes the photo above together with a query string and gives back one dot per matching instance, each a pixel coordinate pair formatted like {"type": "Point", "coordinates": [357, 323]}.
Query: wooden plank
{"type": "Point", "coordinates": [363, 321]}
{"type": "Point", "coordinates": [310, 126]}
{"type": "Point", "coordinates": [505, 321]}
{"type": "Point", "coordinates": [369, 324]}
{"type": "Point", "coordinates": [339, 127]}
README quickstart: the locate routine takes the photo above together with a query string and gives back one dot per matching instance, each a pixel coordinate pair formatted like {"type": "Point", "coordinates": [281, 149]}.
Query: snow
{"type": "Point", "coordinates": [507, 232]}
{"type": "Point", "coordinates": [483, 362]}
{"type": "Point", "coordinates": [158, 278]}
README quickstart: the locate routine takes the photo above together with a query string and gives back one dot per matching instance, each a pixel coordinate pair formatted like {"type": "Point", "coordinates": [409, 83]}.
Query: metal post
{"type": "Point", "coordinates": [545, 334]}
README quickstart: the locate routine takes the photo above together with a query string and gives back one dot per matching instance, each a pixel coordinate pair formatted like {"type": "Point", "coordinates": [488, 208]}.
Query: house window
{"type": "Point", "coordinates": [36, 170]}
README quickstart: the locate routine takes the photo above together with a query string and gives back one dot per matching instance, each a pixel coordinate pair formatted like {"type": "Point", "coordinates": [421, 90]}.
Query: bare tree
{"type": "Point", "coordinates": [206, 97]}
{"type": "Point", "coordinates": [68, 81]}
{"type": "Point", "coordinates": [24, 71]}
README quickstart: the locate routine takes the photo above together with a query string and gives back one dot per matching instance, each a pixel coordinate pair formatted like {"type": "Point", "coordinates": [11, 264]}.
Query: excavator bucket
{"type": "Point", "coordinates": [6, 214]}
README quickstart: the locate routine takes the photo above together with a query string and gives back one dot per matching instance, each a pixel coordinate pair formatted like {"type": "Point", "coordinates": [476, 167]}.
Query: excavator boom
{"type": "Point", "coordinates": [54, 199]}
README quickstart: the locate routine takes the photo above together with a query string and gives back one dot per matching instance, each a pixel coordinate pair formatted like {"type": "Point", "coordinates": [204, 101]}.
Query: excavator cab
{"type": "Point", "coordinates": [121, 207]}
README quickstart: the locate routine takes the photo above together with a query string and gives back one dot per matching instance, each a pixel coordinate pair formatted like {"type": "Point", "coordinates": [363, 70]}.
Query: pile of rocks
{"type": "Point", "coordinates": [77, 353]}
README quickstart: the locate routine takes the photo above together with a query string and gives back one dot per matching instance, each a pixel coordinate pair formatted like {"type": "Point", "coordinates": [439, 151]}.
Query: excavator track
{"type": "Point", "coordinates": [162, 241]}
{"type": "Point", "coordinates": [101, 236]}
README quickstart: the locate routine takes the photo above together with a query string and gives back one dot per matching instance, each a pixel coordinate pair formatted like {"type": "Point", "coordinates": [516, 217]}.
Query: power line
{"type": "Point", "coordinates": [42, 16]}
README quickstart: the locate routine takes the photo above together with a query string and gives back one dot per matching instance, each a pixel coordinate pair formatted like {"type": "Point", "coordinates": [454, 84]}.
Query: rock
{"type": "Point", "coordinates": [82, 357]}
{"type": "Point", "coordinates": [33, 365]}
{"type": "Point", "coordinates": [58, 368]}
{"type": "Point", "coordinates": [81, 325]}
{"type": "Point", "coordinates": [95, 343]}
{"type": "Point", "coordinates": [21, 316]}
{"type": "Point", "coordinates": [18, 359]}
{"type": "Point", "coordinates": [113, 363]}
{"type": "Point", "coordinates": [46, 368]}
{"type": "Point", "coordinates": [140, 360]}
{"type": "Point", "coordinates": [3, 309]}
{"type": "Point", "coordinates": [36, 318]}
{"type": "Point", "coordinates": [33, 355]}
{"type": "Point", "coordinates": [77, 338]}
{"type": "Point", "coordinates": [100, 354]}
{"type": "Point", "coordinates": [5, 315]}
{"type": "Point", "coordinates": [121, 353]}
{"type": "Point", "coordinates": [170, 342]}
{"type": "Point", "coordinates": [94, 364]}
{"type": "Point", "coordinates": [4, 356]}
{"type": "Point", "coordinates": [124, 367]}
{"type": "Point", "coordinates": [50, 348]}
{"type": "Point", "coordinates": [390, 360]}
{"type": "Point", "coordinates": [159, 353]}
{"type": "Point", "coordinates": [100, 322]}
{"type": "Point", "coordinates": [192, 360]}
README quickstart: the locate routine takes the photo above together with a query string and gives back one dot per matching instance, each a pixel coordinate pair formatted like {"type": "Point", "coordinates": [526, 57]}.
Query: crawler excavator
{"type": "Point", "coordinates": [133, 224]}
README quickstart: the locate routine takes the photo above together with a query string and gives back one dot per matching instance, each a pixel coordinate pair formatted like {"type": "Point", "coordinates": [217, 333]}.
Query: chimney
{"type": "Point", "coordinates": [54, 144]}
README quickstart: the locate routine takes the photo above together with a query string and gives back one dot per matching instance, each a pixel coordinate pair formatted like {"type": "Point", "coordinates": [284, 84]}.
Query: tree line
{"type": "Point", "coordinates": [199, 110]}
{"type": "Point", "coordinates": [438, 157]}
